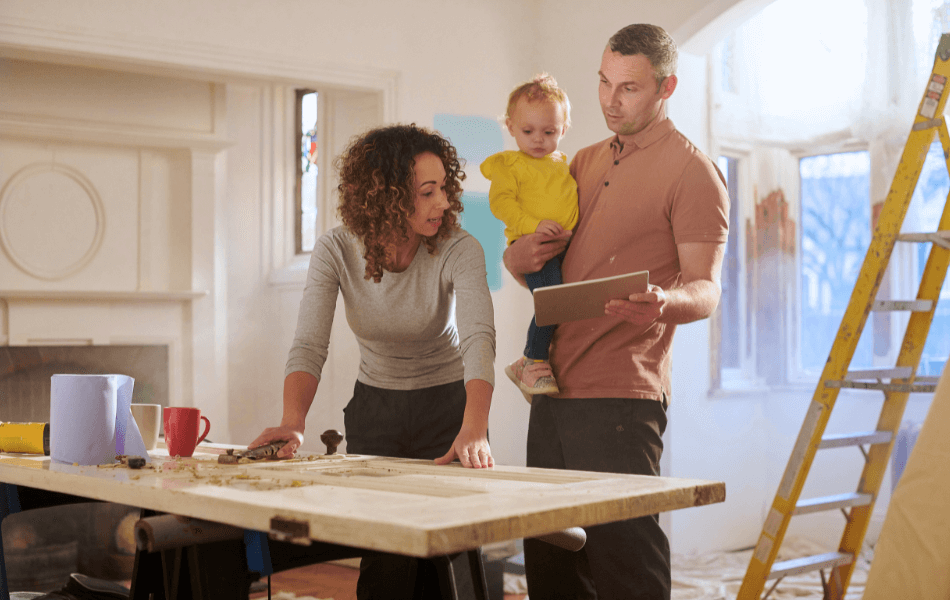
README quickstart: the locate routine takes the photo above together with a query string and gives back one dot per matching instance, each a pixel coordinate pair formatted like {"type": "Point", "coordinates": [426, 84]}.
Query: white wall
{"type": "Point", "coordinates": [445, 57]}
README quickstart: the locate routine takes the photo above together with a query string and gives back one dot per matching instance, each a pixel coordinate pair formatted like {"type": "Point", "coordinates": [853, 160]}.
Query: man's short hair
{"type": "Point", "coordinates": [651, 41]}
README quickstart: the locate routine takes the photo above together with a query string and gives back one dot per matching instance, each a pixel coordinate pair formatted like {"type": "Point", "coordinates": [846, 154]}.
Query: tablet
{"type": "Point", "coordinates": [584, 299]}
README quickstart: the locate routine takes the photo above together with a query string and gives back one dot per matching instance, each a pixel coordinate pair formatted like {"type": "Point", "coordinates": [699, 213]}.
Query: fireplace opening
{"type": "Point", "coordinates": [26, 371]}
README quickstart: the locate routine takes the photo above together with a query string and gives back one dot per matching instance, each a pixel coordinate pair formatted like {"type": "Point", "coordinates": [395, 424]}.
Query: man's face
{"type": "Point", "coordinates": [628, 92]}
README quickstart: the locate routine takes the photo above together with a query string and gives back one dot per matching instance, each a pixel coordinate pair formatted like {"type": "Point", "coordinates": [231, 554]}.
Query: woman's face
{"type": "Point", "coordinates": [431, 201]}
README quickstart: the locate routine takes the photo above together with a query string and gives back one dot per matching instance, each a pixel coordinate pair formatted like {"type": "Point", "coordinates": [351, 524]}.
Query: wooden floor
{"type": "Point", "coordinates": [324, 581]}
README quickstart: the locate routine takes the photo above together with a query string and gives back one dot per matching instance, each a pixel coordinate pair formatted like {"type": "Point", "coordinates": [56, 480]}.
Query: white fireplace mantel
{"type": "Point", "coordinates": [116, 234]}
{"type": "Point", "coordinates": [102, 318]}
{"type": "Point", "coordinates": [105, 296]}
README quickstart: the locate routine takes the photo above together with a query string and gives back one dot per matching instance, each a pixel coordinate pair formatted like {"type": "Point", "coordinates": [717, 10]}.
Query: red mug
{"type": "Point", "coordinates": [181, 430]}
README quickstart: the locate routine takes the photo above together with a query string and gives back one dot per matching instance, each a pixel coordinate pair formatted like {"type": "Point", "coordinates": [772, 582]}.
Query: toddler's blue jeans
{"type": "Point", "coordinates": [539, 338]}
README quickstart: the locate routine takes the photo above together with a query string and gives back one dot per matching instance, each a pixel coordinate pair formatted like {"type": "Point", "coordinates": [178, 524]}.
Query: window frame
{"type": "Point", "coordinates": [749, 378]}
{"type": "Point", "coordinates": [798, 374]}
{"type": "Point", "coordinates": [344, 110]}
{"type": "Point", "coordinates": [735, 120]}
{"type": "Point", "coordinates": [744, 378]}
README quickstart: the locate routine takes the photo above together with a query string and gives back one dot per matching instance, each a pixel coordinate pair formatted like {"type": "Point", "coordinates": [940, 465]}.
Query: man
{"type": "Point", "coordinates": [649, 200]}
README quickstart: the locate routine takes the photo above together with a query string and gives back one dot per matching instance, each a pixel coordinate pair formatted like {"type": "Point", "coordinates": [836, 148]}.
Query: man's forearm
{"type": "Point", "coordinates": [691, 301]}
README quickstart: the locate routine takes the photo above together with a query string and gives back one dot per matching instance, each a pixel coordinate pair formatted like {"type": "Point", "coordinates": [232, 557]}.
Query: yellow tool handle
{"type": "Point", "coordinates": [24, 438]}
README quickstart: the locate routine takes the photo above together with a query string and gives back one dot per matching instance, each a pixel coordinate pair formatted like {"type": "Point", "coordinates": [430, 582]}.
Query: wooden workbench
{"type": "Point", "coordinates": [410, 507]}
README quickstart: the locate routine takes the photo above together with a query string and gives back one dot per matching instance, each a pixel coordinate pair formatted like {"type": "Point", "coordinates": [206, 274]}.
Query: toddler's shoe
{"type": "Point", "coordinates": [532, 377]}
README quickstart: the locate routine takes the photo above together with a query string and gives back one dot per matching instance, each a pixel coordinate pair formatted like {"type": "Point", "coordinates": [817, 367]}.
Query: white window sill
{"type": "Point", "coordinates": [745, 388]}
{"type": "Point", "coordinates": [293, 274]}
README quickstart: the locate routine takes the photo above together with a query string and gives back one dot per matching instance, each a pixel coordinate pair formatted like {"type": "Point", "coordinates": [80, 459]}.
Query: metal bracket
{"type": "Point", "coordinates": [290, 530]}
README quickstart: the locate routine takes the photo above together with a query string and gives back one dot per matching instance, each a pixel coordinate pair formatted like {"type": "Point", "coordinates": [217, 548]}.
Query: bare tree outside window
{"type": "Point", "coordinates": [835, 234]}
{"type": "Point", "coordinates": [930, 196]}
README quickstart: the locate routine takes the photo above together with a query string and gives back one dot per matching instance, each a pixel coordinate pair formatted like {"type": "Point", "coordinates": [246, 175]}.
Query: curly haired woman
{"type": "Point", "coordinates": [417, 299]}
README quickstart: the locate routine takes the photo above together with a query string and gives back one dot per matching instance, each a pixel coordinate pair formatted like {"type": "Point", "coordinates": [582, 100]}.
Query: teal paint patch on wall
{"type": "Point", "coordinates": [489, 231]}
{"type": "Point", "coordinates": [475, 139]}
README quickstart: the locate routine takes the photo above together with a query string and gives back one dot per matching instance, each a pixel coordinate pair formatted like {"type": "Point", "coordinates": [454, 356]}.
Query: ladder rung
{"type": "Point", "coordinates": [807, 564]}
{"type": "Point", "coordinates": [895, 305]}
{"type": "Point", "coordinates": [813, 505]}
{"type": "Point", "coordinates": [893, 373]}
{"type": "Point", "coordinates": [927, 378]}
{"type": "Point", "coordinates": [842, 440]}
{"type": "Point", "coordinates": [907, 388]}
{"type": "Point", "coordinates": [941, 238]}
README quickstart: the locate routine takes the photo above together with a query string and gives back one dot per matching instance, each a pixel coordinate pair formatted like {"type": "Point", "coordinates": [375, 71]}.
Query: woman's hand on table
{"type": "Point", "coordinates": [472, 450]}
{"type": "Point", "coordinates": [471, 443]}
{"type": "Point", "coordinates": [284, 433]}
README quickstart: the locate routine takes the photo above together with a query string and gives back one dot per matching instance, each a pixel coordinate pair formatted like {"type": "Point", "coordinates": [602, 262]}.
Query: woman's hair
{"type": "Point", "coordinates": [377, 189]}
{"type": "Point", "coordinates": [540, 88]}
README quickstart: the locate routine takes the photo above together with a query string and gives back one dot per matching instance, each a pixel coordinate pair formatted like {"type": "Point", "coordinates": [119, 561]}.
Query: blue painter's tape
{"type": "Point", "coordinates": [475, 138]}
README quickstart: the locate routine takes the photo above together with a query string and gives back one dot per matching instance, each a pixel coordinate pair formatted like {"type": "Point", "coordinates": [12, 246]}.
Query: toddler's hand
{"type": "Point", "coordinates": [549, 227]}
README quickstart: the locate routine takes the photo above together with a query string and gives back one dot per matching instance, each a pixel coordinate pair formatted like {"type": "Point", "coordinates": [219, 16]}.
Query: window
{"type": "Point", "coordinates": [304, 126]}
{"type": "Point", "coordinates": [307, 201]}
{"type": "Point", "coordinates": [835, 234]}
{"type": "Point", "coordinates": [930, 197]}
{"type": "Point", "coordinates": [731, 323]}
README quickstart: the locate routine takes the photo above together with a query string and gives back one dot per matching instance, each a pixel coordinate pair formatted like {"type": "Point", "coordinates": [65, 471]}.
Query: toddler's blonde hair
{"type": "Point", "coordinates": [541, 88]}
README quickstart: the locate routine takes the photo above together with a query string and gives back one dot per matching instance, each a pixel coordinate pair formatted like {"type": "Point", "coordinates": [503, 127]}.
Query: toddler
{"type": "Point", "coordinates": [532, 191]}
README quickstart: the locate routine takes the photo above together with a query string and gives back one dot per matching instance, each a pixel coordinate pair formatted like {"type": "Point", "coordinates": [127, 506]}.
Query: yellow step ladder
{"type": "Point", "coordinates": [896, 383]}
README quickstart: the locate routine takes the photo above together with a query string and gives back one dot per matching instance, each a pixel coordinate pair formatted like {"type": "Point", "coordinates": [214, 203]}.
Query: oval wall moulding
{"type": "Point", "coordinates": [52, 220]}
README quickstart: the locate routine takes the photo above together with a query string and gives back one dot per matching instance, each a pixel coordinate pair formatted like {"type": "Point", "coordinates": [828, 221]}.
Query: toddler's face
{"type": "Point", "coordinates": [537, 127]}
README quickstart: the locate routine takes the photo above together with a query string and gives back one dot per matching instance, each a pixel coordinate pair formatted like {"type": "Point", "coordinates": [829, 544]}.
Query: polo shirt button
{"type": "Point", "coordinates": [616, 162]}
{"type": "Point", "coordinates": [606, 183]}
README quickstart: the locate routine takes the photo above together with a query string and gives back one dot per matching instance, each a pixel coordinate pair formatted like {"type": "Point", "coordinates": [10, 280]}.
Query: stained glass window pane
{"type": "Point", "coordinates": [307, 189]}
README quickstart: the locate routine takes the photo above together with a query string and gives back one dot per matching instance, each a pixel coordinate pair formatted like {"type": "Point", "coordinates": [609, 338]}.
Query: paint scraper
{"type": "Point", "coordinates": [232, 456]}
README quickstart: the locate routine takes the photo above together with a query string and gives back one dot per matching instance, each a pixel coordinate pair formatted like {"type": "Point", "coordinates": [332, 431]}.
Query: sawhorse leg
{"type": "Point", "coordinates": [207, 571]}
{"type": "Point", "coordinates": [462, 576]}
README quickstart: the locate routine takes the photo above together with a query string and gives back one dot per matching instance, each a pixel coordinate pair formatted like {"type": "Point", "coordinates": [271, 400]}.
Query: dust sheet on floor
{"type": "Point", "coordinates": [718, 575]}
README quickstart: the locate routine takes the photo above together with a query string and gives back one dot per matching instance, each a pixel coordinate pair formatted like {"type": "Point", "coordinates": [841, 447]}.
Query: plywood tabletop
{"type": "Point", "coordinates": [411, 507]}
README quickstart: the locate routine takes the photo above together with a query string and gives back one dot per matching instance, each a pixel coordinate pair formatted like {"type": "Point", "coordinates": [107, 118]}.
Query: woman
{"type": "Point", "coordinates": [416, 297]}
